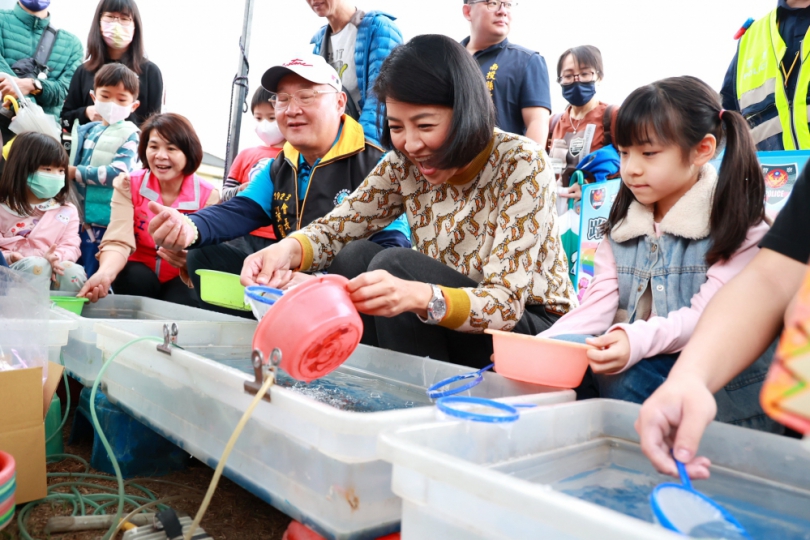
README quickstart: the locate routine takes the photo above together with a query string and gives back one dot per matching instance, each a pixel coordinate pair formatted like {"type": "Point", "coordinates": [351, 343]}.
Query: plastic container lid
{"type": "Point", "coordinates": [315, 325]}
{"type": "Point", "coordinates": [222, 289]}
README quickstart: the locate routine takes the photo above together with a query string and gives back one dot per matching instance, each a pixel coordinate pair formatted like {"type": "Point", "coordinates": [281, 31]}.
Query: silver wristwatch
{"type": "Point", "coordinates": [436, 308]}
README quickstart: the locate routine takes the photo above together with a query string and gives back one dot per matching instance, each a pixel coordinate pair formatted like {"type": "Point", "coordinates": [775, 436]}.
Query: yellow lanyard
{"type": "Point", "coordinates": [793, 65]}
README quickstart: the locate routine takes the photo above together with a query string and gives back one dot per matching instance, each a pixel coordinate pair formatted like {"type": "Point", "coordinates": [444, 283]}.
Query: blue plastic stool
{"type": "Point", "coordinates": [139, 450]}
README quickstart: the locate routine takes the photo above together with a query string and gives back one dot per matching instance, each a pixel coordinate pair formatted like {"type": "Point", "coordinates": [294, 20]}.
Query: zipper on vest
{"type": "Point", "coordinates": [790, 106]}
{"type": "Point", "coordinates": [309, 184]}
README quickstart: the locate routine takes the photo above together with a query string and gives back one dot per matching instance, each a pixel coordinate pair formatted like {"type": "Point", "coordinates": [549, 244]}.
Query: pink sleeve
{"type": "Point", "coordinates": [598, 307]}
{"type": "Point", "coordinates": [662, 335]}
{"type": "Point", "coordinates": [70, 243]}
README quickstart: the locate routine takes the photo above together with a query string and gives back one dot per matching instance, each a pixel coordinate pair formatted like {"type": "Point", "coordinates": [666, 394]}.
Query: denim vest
{"type": "Point", "coordinates": [674, 268]}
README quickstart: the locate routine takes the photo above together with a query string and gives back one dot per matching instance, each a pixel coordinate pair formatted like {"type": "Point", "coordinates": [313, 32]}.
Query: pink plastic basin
{"type": "Point", "coordinates": [315, 325]}
{"type": "Point", "coordinates": [531, 359]}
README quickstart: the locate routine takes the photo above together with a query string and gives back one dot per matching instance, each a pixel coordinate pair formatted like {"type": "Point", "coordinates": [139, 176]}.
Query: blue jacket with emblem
{"type": "Point", "coordinates": [377, 35]}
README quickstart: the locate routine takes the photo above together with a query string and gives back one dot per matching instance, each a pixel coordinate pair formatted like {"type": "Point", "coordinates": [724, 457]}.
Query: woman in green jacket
{"type": "Point", "coordinates": [20, 31]}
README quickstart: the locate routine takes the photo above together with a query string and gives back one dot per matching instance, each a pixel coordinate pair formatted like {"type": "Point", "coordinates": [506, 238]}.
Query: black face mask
{"type": "Point", "coordinates": [579, 93]}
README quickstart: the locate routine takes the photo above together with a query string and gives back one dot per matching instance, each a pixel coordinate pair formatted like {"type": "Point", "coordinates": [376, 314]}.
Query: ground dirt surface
{"type": "Point", "coordinates": [233, 514]}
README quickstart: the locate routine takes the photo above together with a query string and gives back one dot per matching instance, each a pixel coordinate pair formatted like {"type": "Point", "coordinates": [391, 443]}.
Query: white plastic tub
{"type": "Point", "coordinates": [316, 463]}
{"type": "Point", "coordinates": [475, 481]}
{"type": "Point", "coordinates": [83, 359]}
{"type": "Point", "coordinates": [59, 327]}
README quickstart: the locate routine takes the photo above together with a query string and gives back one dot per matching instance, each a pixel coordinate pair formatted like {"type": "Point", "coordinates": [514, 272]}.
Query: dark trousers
{"type": "Point", "coordinates": [634, 385]}
{"type": "Point", "coordinates": [405, 332]}
{"type": "Point", "coordinates": [227, 257]}
{"type": "Point", "coordinates": [89, 248]}
{"type": "Point", "coordinates": [137, 279]}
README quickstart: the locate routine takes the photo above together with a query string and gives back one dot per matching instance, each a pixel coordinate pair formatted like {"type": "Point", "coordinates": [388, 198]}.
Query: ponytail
{"type": "Point", "coordinates": [682, 111]}
{"type": "Point", "coordinates": [739, 198]}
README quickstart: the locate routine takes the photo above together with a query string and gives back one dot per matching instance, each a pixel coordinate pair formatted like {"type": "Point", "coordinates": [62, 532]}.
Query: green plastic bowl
{"type": "Point", "coordinates": [70, 303]}
{"type": "Point", "coordinates": [222, 289]}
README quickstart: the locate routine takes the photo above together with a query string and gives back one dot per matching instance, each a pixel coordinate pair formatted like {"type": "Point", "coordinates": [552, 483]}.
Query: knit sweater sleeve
{"type": "Point", "coordinates": [124, 161]}
{"type": "Point", "coordinates": [524, 233]}
{"type": "Point", "coordinates": [120, 234]}
{"type": "Point", "coordinates": [373, 206]}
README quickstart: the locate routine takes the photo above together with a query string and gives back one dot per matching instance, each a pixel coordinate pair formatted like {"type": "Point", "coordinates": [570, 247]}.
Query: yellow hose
{"type": "Point", "coordinates": [221, 466]}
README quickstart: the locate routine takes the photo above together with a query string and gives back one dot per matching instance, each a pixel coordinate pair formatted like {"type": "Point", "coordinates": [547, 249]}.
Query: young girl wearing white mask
{"type": "Point", "coordinates": [39, 230]}
{"type": "Point", "coordinates": [103, 150]}
{"type": "Point", "coordinates": [252, 160]}
{"type": "Point", "coordinates": [116, 36]}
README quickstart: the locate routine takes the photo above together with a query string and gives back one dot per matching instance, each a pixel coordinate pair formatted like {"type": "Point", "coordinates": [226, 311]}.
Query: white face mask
{"type": "Point", "coordinates": [269, 133]}
{"type": "Point", "coordinates": [112, 112]}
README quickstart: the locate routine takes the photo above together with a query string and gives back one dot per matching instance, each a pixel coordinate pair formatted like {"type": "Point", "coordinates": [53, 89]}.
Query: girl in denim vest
{"type": "Point", "coordinates": [676, 233]}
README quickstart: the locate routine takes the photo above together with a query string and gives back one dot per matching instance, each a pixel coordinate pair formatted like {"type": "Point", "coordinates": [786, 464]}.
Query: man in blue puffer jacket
{"type": "Point", "coordinates": [356, 44]}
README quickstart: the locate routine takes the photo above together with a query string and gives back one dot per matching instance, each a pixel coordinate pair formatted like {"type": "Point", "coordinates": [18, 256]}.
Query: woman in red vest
{"type": "Point", "coordinates": [129, 260]}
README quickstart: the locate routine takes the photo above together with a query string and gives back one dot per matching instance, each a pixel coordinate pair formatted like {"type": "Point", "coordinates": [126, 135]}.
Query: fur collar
{"type": "Point", "coordinates": [689, 218]}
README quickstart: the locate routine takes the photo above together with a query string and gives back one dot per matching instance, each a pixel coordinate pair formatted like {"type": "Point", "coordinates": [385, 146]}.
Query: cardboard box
{"type": "Point", "coordinates": [24, 402]}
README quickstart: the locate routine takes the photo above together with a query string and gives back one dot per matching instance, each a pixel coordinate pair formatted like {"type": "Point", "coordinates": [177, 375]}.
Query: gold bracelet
{"type": "Point", "coordinates": [193, 226]}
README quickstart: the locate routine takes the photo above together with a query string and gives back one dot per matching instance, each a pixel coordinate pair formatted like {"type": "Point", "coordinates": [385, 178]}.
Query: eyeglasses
{"type": "Point", "coordinates": [123, 19]}
{"type": "Point", "coordinates": [495, 5]}
{"type": "Point", "coordinates": [569, 78]}
{"type": "Point", "coordinates": [304, 98]}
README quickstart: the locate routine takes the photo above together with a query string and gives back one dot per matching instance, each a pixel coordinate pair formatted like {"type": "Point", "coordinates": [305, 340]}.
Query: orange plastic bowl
{"type": "Point", "coordinates": [531, 359]}
{"type": "Point", "coordinates": [315, 325]}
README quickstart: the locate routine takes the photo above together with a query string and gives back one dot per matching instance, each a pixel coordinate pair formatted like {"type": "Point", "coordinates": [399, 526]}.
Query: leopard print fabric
{"type": "Point", "coordinates": [499, 227]}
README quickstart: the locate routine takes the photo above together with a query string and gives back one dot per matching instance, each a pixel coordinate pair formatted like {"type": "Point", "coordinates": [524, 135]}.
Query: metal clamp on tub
{"type": "Point", "coordinates": [169, 339]}
{"type": "Point", "coordinates": [262, 370]}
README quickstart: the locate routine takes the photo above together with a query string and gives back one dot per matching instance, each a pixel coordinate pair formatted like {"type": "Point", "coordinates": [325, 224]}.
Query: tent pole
{"type": "Point", "coordinates": [239, 90]}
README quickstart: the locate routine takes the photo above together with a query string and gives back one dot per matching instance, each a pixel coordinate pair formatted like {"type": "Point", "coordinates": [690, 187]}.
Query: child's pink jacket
{"type": "Point", "coordinates": [657, 335]}
{"type": "Point", "coordinates": [32, 236]}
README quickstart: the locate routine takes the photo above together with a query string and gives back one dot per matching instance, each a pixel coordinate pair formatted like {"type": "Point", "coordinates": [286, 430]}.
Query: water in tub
{"type": "Point", "coordinates": [615, 474]}
{"type": "Point", "coordinates": [346, 389]}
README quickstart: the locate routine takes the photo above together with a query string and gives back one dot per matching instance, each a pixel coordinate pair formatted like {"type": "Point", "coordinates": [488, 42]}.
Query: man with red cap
{"type": "Point", "coordinates": [326, 157]}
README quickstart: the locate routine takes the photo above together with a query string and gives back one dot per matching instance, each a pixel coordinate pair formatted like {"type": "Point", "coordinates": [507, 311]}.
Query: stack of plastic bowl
{"type": "Point", "coordinates": [8, 485]}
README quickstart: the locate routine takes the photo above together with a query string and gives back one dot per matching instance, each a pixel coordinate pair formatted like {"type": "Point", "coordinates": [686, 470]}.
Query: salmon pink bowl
{"type": "Point", "coordinates": [536, 360]}
{"type": "Point", "coordinates": [315, 326]}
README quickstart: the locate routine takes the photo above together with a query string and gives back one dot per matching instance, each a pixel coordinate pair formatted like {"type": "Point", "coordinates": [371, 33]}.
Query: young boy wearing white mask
{"type": "Point", "coordinates": [252, 160]}
{"type": "Point", "coordinates": [100, 151]}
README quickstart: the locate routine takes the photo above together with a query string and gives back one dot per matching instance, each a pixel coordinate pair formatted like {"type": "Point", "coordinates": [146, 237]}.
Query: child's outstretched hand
{"type": "Point", "coordinates": [12, 256]}
{"type": "Point", "coordinates": [54, 261]}
{"type": "Point", "coordinates": [675, 417]}
{"type": "Point", "coordinates": [611, 354]}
